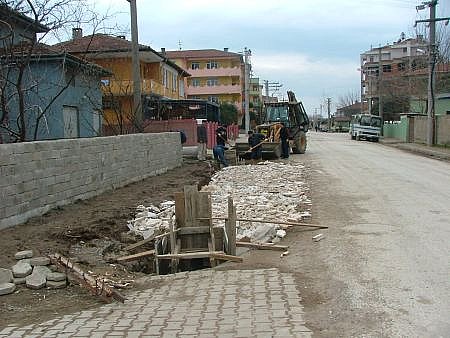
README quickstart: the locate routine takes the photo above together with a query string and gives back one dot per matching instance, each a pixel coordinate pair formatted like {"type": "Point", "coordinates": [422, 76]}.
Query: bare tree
{"type": "Point", "coordinates": [348, 99]}
{"type": "Point", "coordinates": [19, 81]}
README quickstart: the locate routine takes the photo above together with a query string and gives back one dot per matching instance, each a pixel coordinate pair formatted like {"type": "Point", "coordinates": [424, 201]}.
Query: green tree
{"type": "Point", "coordinates": [228, 113]}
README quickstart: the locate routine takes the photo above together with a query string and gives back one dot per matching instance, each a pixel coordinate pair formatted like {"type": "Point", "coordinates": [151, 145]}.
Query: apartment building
{"type": "Point", "coordinates": [382, 66]}
{"type": "Point", "coordinates": [160, 77]}
{"type": "Point", "coordinates": [216, 75]}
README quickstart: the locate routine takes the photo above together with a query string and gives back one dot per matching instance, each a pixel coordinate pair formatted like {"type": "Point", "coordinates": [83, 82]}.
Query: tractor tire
{"type": "Point", "coordinates": [358, 138]}
{"type": "Point", "coordinates": [353, 137]}
{"type": "Point", "coordinates": [300, 143]}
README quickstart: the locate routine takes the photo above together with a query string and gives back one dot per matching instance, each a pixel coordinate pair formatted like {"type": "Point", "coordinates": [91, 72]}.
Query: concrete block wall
{"type": "Point", "coordinates": [443, 129]}
{"type": "Point", "coordinates": [38, 176]}
{"type": "Point", "coordinates": [420, 129]}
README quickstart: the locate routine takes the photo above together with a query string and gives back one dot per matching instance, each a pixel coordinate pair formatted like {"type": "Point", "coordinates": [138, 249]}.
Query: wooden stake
{"type": "Point", "coordinates": [95, 285]}
{"type": "Point", "coordinates": [262, 246]}
{"type": "Point", "coordinates": [136, 256]}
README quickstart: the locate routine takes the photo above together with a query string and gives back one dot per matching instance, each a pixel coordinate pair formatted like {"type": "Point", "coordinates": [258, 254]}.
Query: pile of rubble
{"type": "Point", "coordinates": [34, 272]}
{"type": "Point", "coordinates": [152, 220]}
{"type": "Point", "coordinates": [262, 192]}
{"type": "Point", "coordinates": [266, 191]}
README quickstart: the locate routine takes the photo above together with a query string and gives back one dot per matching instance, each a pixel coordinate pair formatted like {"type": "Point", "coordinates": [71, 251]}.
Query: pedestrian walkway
{"type": "Point", "coordinates": [204, 303]}
{"type": "Point", "coordinates": [437, 152]}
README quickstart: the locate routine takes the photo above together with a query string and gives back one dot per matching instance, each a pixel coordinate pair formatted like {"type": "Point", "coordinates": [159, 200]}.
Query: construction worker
{"type": "Point", "coordinates": [219, 154]}
{"type": "Point", "coordinates": [255, 142]}
{"type": "Point", "coordinates": [284, 137]}
{"type": "Point", "coordinates": [221, 135]}
{"type": "Point", "coordinates": [201, 140]}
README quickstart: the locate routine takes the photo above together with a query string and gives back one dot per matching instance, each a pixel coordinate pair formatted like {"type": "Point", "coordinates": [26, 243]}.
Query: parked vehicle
{"type": "Point", "coordinates": [366, 126]}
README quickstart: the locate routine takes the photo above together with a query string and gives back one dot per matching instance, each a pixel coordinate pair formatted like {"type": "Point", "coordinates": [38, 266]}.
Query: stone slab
{"type": "Point", "coordinates": [42, 270]}
{"type": "Point", "coordinates": [23, 254]}
{"type": "Point", "coordinates": [39, 261]}
{"type": "Point", "coordinates": [7, 288]}
{"type": "Point", "coordinates": [56, 285]}
{"type": "Point", "coordinates": [56, 277]}
{"type": "Point", "coordinates": [35, 281]}
{"type": "Point", "coordinates": [6, 276]}
{"type": "Point", "coordinates": [20, 280]}
{"type": "Point", "coordinates": [21, 269]}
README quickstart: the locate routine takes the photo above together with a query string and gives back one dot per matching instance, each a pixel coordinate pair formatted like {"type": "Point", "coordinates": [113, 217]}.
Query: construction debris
{"type": "Point", "coordinates": [318, 237]}
{"type": "Point", "coordinates": [268, 190]}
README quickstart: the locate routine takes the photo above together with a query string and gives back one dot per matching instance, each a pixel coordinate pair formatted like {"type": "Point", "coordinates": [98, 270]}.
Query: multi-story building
{"type": "Point", "coordinates": [255, 98]}
{"type": "Point", "coordinates": [160, 77]}
{"type": "Point", "coordinates": [216, 75]}
{"type": "Point", "coordinates": [385, 69]}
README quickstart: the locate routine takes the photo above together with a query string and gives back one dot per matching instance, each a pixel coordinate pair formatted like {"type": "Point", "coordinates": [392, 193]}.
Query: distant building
{"type": "Point", "coordinates": [255, 98]}
{"type": "Point", "coordinates": [161, 79]}
{"type": "Point", "coordinates": [350, 110]}
{"type": "Point", "coordinates": [59, 95]}
{"type": "Point", "coordinates": [216, 75]}
{"type": "Point", "coordinates": [395, 61]}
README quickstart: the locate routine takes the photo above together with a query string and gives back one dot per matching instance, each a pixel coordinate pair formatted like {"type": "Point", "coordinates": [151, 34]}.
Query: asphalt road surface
{"type": "Point", "coordinates": [386, 256]}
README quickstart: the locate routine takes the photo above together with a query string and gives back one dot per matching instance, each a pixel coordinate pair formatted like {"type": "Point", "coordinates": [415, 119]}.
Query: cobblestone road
{"type": "Point", "coordinates": [206, 303]}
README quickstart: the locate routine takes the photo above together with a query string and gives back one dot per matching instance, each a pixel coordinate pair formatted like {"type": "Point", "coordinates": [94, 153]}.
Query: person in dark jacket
{"type": "Point", "coordinates": [254, 141]}
{"type": "Point", "coordinates": [284, 136]}
{"type": "Point", "coordinates": [221, 135]}
{"type": "Point", "coordinates": [201, 140]}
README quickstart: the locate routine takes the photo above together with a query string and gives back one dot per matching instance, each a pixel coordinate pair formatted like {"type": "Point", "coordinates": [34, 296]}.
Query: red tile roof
{"type": "Point", "coordinates": [98, 43]}
{"type": "Point", "coordinates": [200, 53]}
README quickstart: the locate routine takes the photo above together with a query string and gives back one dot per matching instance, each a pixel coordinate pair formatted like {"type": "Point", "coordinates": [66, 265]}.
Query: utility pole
{"type": "Point", "coordinates": [274, 86]}
{"type": "Point", "coordinates": [329, 113]}
{"type": "Point", "coordinates": [247, 54]}
{"type": "Point", "coordinates": [431, 64]}
{"type": "Point", "coordinates": [137, 106]}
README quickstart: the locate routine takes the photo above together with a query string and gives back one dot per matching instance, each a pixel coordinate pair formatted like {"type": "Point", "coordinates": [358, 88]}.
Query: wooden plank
{"type": "Point", "coordinates": [193, 230]}
{"type": "Point", "coordinates": [204, 254]}
{"type": "Point", "coordinates": [274, 221]}
{"type": "Point", "coordinates": [96, 286]}
{"type": "Point", "coordinates": [172, 244]}
{"type": "Point", "coordinates": [224, 257]}
{"type": "Point", "coordinates": [179, 209]}
{"type": "Point", "coordinates": [136, 256]}
{"type": "Point", "coordinates": [232, 227]}
{"type": "Point", "coordinates": [156, 257]}
{"type": "Point", "coordinates": [262, 246]}
{"type": "Point", "coordinates": [212, 261]}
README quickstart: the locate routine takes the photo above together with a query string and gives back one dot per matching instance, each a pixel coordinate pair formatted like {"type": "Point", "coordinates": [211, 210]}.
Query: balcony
{"type": "Point", "coordinates": [230, 71]}
{"type": "Point", "coordinates": [148, 86]}
{"type": "Point", "coordinates": [213, 90]}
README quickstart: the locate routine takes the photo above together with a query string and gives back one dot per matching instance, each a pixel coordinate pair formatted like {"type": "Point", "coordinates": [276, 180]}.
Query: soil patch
{"type": "Point", "coordinates": [88, 231]}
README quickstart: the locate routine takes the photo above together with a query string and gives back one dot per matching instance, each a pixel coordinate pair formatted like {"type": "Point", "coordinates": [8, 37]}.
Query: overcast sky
{"type": "Point", "coordinates": [311, 47]}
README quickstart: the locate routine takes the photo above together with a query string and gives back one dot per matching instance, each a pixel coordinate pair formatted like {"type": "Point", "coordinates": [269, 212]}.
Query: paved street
{"type": "Point", "coordinates": [206, 303]}
{"type": "Point", "coordinates": [387, 249]}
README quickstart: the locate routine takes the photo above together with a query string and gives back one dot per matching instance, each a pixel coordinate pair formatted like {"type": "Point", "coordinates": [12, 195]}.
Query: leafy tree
{"type": "Point", "coordinates": [228, 113]}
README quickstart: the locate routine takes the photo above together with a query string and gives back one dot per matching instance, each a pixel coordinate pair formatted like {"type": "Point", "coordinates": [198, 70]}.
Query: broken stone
{"type": "Point", "coordinates": [23, 254]}
{"type": "Point", "coordinates": [281, 233]}
{"type": "Point", "coordinates": [42, 270]}
{"type": "Point", "coordinates": [56, 277]}
{"type": "Point", "coordinates": [35, 281]}
{"type": "Point", "coordinates": [6, 276]}
{"type": "Point", "coordinates": [20, 280]}
{"type": "Point", "coordinates": [52, 267]}
{"type": "Point", "coordinates": [21, 269]}
{"type": "Point", "coordinates": [39, 261]}
{"type": "Point", "coordinates": [56, 285]}
{"type": "Point", "coordinates": [7, 288]}
{"type": "Point", "coordinates": [318, 237]}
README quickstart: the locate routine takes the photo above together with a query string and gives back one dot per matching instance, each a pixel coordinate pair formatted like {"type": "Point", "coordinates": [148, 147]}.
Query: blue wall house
{"type": "Point", "coordinates": [44, 94]}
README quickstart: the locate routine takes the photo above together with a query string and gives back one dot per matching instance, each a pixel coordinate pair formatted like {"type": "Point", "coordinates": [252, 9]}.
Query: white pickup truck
{"type": "Point", "coordinates": [365, 126]}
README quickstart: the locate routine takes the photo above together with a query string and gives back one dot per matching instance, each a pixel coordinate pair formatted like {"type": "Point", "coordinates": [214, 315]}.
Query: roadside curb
{"type": "Point", "coordinates": [418, 149]}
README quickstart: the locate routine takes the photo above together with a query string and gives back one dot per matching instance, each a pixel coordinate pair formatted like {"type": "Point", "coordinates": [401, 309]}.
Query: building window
{"type": "Point", "coordinates": [212, 65]}
{"type": "Point", "coordinates": [387, 68]}
{"type": "Point", "coordinates": [213, 99]}
{"type": "Point", "coordinates": [174, 82]}
{"type": "Point", "coordinates": [405, 49]}
{"type": "Point", "coordinates": [212, 82]}
{"type": "Point", "coordinates": [195, 65]}
{"type": "Point", "coordinates": [165, 78]}
{"type": "Point", "coordinates": [195, 82]}
{"type": "Point", "coordinates": [371, 59]}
